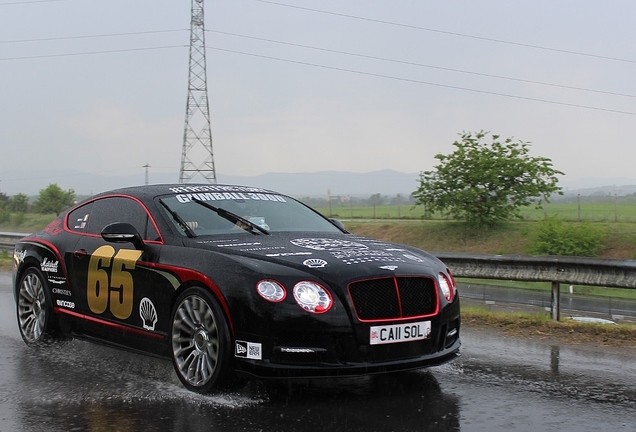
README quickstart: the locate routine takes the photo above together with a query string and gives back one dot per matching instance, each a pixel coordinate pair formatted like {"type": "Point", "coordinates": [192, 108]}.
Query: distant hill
{"type": "Point", "coordinates": [385, 182]}
{"type": "Point", "coordinates": [603, 190]}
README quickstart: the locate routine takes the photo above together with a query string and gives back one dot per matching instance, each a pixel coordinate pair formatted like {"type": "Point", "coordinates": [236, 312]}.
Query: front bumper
{"type": "Point", "coordinates": [329, 355]}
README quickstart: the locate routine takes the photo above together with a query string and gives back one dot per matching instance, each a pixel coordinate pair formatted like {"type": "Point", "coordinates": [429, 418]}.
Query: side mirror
{"type": "Point", "coordinates": [122, 232]}
{"type": "Point", "coordinates": [340, 225]}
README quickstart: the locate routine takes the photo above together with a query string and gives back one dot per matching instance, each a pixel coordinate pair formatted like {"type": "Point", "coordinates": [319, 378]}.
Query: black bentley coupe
{"type": "Point", "coordinates": [231, 281]}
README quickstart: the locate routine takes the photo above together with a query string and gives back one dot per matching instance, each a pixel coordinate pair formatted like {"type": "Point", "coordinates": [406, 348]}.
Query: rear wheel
{"type": "Point", "coordinates": [201, 342]}
{"type": "Point", "coordinates": [34, 309]}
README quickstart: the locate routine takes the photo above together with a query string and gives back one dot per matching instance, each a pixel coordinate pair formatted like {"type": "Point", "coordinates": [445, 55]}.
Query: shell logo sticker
{"type": "Point", "coordinates": [315, 263]}
{"type": "Point", "coordinates": [148, 314]}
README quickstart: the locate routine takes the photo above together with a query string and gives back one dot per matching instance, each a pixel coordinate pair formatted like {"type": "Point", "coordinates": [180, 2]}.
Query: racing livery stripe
{"type": "Point", "coordinates": [108, 323]}
{"type": "Point", "coordinates": [189, 275]}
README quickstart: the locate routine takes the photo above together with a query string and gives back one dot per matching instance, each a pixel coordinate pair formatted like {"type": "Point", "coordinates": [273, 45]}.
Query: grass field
{"type": "Point", "coordinates": [590, 212]}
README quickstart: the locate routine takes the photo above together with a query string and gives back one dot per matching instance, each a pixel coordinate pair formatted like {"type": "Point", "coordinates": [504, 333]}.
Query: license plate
{"type": "Point", "coordinates": [400, 333]}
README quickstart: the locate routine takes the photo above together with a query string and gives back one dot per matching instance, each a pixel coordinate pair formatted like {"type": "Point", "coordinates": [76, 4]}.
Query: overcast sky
{"type": "Point", "coordinates": [100, 86]}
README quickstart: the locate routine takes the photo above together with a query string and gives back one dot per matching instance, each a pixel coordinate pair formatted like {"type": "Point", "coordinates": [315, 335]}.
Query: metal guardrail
{"type": "Point", "coordinates": [9, 239]}
{"type": "Point", "coordinates": [554, 269]}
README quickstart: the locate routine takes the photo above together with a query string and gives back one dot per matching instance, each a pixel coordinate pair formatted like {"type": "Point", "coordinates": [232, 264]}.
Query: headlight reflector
{"type": "Point", "coordinates": [312, 297]}
{"type": "Point", "coordinates": [271, 290]}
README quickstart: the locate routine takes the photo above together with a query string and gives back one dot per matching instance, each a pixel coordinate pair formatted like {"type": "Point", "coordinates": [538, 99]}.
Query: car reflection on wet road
{"type": "Point", "coordinates": [498, 384]}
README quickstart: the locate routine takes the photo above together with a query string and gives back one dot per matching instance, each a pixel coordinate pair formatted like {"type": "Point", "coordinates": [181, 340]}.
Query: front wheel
{"type": "Point", "coordinates": [201, 342]}
{"type": "Point", "coordinates": [34, 309]}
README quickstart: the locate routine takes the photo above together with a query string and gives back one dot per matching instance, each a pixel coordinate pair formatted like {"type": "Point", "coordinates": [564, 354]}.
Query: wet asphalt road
{"type": "Point", "coordinates": [498, 384]}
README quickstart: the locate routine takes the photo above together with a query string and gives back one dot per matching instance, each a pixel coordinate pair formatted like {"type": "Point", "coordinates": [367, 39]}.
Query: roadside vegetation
{"type": "Point", "coordinates": [540, 326]}
{"type": "Point", "coordinates": [608, 240]}
{"type": "Point", "coordinates": [5, 261]}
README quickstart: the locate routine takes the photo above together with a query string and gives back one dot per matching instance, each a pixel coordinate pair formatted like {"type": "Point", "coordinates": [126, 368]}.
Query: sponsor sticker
{"type": "Point", "coordinates": [66, 304]}
{"type": "Point", "coordinates": [395, 333]}
{"type": "Point", "coordinates": [413, 258]}
{"type": "Point", "coordinates": [19, 255]}
{"type": "Point", "coordinates": [61, 291]}
{"type": "Point", "coordinates": [49, 266]}
{"type": "Point", "coordinates": [221, 196]}
{"type": "Point", "coordinates": [285, 254]}
{"type": "Point", "coordinates": [248, 350]}
{"type": "Point", "coordinates": [328, 244]}
{"type": "Point", "coordinates": [54, 228]}
{"type": "Point", "coordinates": [216, 188]}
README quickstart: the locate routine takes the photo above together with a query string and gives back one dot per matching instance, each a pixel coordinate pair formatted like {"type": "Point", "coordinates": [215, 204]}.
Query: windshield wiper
{"type": "Point", "coordinates": [184, 226]}
{"type": "Point", "coordinates": [246, 224]}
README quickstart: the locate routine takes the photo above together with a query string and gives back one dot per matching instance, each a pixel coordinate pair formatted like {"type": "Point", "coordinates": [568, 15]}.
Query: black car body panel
{"type": "Point", "coordinates": [387, 309]}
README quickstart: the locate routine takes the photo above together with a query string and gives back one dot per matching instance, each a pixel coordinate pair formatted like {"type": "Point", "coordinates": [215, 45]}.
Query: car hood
{"type": "Point", "coordinates": [347, 256]}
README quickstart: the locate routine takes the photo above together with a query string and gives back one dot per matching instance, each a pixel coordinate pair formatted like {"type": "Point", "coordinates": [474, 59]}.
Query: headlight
{"type": "Point", "coordinates": [312, 297]}
{"type": "Point", "coordinates": [271, 290]}
{"type": "Point", "coordinates": [446, 286]}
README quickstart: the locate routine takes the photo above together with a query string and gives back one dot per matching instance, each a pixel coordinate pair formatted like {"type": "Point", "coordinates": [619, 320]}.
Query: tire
{"type": "Point", "coordinates": [201, 342]}
{"type": "Point", "coordinates": [34, 309]}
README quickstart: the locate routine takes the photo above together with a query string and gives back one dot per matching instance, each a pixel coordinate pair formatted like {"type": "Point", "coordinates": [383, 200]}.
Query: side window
{"type": "Point", "coordinates": [119, 209]}
{"type": "Point", "coordinates": [78, 218]}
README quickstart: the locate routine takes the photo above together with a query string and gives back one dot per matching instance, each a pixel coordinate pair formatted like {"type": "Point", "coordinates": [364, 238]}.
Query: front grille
{"type": "Point", "coordinates": [394, 298]}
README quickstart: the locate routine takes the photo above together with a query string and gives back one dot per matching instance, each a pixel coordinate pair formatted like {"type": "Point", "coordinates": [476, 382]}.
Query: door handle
{"type": "Point", "coordinates": [80, 253]}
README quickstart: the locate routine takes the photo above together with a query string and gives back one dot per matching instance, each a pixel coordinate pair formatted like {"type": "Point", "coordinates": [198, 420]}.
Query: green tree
{"type": "Point", "coordinates": [4, 200]}
{"type": "Point", "coordinates": [483, 183]}
{"type": "Point", "coordinates": [53, 200]}
{"type": "Point", "coordinates": [5, 215]}
{"type": "Point", "coordinates": [19, 203]}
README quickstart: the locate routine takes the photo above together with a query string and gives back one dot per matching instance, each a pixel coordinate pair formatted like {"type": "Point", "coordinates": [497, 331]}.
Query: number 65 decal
{"type": "Point", "coordinates": [110, 281]}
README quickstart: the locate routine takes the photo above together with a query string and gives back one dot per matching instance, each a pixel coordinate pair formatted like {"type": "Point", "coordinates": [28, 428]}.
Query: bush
{"type": "Point", "coordinates": [18, 219]}
{"type": "Point", "coordinates": [5, 215]}
{"type": "Point", "coordinates": [554, 237]}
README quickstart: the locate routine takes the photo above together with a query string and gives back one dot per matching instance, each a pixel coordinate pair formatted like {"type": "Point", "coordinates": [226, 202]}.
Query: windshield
{"type": "Point", "coordinates": [270, 212]}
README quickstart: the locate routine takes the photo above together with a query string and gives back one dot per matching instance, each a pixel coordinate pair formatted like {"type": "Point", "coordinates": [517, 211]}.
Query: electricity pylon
{"type": "Point", "coordinates": [197, 158]}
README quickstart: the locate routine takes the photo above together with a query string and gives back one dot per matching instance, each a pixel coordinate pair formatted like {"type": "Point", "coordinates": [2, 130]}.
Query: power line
{"type": "Point", "coordinates": [28, 2]}
{"type": "Point", "coordinates": [464, 35]}
{"type": "Point", "coordinates": [295, 45]}
{"type": "Point", "coordinates": [327, 67]}
{"type": "Point", "coordinates": [92, 52]}
{"type": "Point", "coordinates": [90, 36]}
{"type": "Point", "coordinates": [425, 82]}
{"type": "Point", "coordinates": [425, 65]}
{"type": "Point", "coordinates": [63, 175]}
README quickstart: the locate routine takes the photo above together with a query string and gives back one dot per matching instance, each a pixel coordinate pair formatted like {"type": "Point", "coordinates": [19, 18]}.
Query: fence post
{"type": "Point", "coordinates": [556, 301]}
